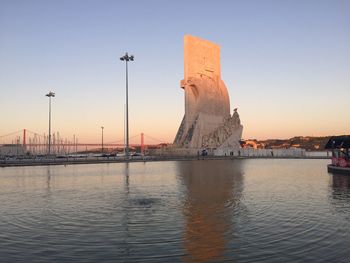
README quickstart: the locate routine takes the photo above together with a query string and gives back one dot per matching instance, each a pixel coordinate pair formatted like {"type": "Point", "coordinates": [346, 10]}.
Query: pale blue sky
{"type": "Point", "coordinates": [286, 64]}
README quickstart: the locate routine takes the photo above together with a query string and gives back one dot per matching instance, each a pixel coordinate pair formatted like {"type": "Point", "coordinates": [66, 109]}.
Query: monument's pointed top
{"type": "Point", "coordinates": [190, 37]}
{"type": "Point", "coordinates": [202, 57]}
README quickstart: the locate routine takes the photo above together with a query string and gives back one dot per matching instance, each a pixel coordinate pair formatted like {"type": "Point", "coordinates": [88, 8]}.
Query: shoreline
{"type": "Point", "coordinates": [50, 162]}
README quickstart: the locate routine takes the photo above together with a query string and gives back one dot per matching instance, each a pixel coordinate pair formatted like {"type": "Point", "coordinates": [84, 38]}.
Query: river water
{"type": "Point", "coordinates": [256, 210]}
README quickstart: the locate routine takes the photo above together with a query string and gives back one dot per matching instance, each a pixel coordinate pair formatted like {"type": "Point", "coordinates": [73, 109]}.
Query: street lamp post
{"type": "Point", "coordinates": [50, 94]}
{"type": "Point", "coordinates": [127, 58]}
{"type": "Point", "coordinates": [102, 138]}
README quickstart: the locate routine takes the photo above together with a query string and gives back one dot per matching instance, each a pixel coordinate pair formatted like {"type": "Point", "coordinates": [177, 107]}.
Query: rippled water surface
{"type": "Point", "coordinates": [178, 211]}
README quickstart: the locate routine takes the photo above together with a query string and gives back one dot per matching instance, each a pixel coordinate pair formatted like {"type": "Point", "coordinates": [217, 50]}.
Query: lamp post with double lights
{"type": "Point", "coordinates": [50, 95]}
{"type": "Point", "coordinates": [127, 58]}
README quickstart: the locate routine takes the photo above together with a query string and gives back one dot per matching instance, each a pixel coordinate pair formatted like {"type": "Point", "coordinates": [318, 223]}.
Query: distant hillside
{"type": "Point", "coordinates": [309, 143]}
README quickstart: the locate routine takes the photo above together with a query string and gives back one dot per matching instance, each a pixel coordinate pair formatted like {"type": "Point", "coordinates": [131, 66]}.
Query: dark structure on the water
{"type": "Point", "coordinates": [340, 154]}
{"type": "Point", "coordinates": [338, 142]}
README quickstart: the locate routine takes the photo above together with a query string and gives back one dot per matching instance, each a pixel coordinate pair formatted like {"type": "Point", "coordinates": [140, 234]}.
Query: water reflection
{"type": "Point", "coordinates": [340, 192]}
{"type": "Point", "coordinates": [48, 179]}
{"type": "Point", "coordinates": [126, 217]}
{"type": "Point", "coordinates": [340, 181]}
{"type": "Point", "coordinates": [126, 176]}
{"type": "Point", "coordinates": [211, 194]}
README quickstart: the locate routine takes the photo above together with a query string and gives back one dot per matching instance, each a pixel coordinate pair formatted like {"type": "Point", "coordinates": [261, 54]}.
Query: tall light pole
{"type": "Point", "coordinates": [102, 138]}
{"type": "Point", "coordinates": [50, 94]}
{"type": "Point", "coordinates": [127, 58]}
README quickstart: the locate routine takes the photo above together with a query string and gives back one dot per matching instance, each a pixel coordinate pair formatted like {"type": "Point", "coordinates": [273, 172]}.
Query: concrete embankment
{"type": "Point", "coordinates": [68, 161]}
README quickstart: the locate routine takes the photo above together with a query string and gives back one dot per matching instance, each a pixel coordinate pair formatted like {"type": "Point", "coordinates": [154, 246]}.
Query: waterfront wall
{"type": "Point", "coordinates": [229, 151]}
{"type": "Point", "coordinates": [250, 152]}
{"type": "Point", "coordinates": [174, 151]}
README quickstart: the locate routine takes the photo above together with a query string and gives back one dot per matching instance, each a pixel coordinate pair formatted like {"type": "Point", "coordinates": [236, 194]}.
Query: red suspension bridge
{"type": "Point", "coordinates": [35, 143]}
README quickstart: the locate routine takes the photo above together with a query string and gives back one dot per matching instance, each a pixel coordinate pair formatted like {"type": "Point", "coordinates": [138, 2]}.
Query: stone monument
{"type": "Point", "coordinates": [207, 123]}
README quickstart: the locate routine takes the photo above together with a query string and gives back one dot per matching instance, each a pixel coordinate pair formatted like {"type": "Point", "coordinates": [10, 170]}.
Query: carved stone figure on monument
{"type": "Point", "coordinates": [235, 117]}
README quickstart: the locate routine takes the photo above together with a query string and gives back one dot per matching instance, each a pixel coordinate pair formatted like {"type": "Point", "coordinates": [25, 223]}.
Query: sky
{"type": "Point", "coordinates": [286, 65]}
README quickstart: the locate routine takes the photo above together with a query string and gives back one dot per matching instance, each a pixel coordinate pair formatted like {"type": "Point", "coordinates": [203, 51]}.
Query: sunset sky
{"type": "Point", "coordinates": [286, 65]}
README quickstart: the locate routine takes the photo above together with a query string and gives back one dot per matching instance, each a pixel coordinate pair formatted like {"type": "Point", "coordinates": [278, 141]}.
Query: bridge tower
{"type": "Point", "coordinates": [24, 138]}
{"type": "Point", "coordinates": [142, 143]}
